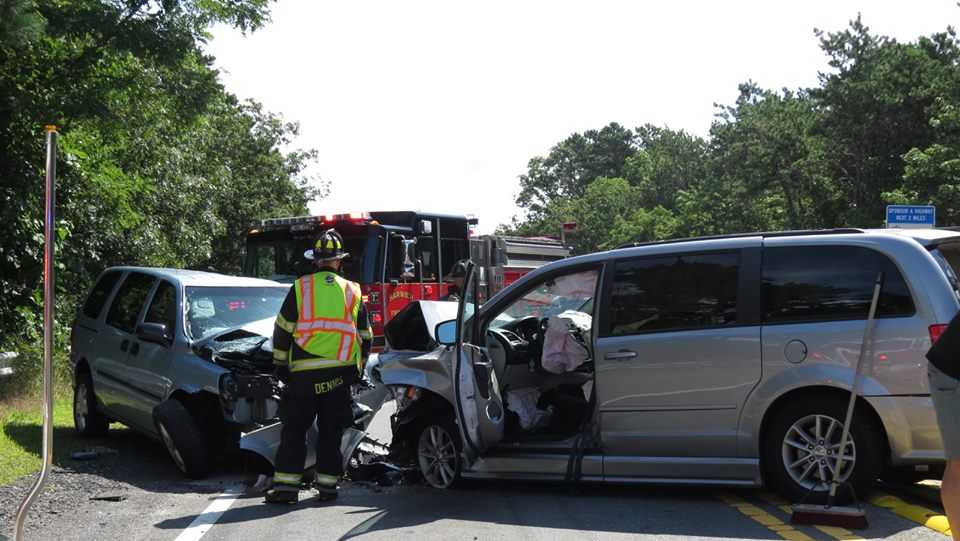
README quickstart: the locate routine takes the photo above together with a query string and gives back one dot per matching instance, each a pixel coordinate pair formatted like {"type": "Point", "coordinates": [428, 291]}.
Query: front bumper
{"type": "Point", "coordinates": [911, 426]}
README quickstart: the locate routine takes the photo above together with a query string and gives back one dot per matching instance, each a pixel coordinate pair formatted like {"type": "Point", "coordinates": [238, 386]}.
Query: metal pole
{"type": "Point", "coordinates": [47, 333]}
{"type": "Point", "coordinates": [866, 351]}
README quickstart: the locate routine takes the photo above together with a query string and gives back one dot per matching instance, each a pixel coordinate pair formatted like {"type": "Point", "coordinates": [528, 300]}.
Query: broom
{"type": "Point", "coordinates": [831, 515]}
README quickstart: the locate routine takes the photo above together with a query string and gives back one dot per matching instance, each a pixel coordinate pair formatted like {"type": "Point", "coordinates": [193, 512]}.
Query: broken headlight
{"type": "Point", "coordinates": [404, 395]}
{"type": "Point", "coordinates": [229, 390]}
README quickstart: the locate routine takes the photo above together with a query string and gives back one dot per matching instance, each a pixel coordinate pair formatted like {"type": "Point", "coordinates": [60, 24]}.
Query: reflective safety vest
{"type": "Point", "coordinates": [326, 328]}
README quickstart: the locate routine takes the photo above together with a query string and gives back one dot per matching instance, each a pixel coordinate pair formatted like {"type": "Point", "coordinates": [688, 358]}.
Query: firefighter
{"type": "Point", "coordinates": [320, 342]}
{"type": "Point", "coordinates": [455, 281]}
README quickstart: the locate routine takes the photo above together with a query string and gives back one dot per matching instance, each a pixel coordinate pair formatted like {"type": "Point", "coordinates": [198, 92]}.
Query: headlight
{"type": "Point", "coordinates": [404, 395]}
{"type": "Point", "coordinates": [228, 387]}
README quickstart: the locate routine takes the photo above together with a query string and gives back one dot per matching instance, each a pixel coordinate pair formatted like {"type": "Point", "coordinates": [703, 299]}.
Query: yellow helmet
{"type": "Point", "coordinates": [328, 247]}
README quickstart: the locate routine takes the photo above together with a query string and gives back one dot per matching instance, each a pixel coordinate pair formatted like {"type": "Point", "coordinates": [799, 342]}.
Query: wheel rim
{"type": "Point", "coordinates": [811, 451]}
{"type": "Point", "coordinates": [171, 448]}
{"type": "Point", "coordinates": [437, 456]}
{"type": "Point", "coordinates": [80, 407]}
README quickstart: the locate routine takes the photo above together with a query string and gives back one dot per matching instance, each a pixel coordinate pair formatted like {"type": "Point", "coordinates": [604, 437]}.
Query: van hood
{"type": "Point", "coordinates": [413, 356]}
{"type": "Point", "coordinates": [247, 348]}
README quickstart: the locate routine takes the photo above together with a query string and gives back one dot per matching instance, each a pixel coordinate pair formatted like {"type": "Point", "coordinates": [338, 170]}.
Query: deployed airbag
{"type": "Point", "coordinates": [564, 342]}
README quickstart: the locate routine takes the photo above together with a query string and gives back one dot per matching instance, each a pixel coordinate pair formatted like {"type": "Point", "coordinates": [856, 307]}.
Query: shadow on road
{"type": "Point", "coordinates": [606, 509]}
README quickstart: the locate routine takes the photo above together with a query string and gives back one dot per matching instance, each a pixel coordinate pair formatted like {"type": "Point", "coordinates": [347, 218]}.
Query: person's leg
{"type": "Point", "coordinates": [332, 419]}
{"type": "Point", "coordinates": [950, 492]}
{"type": "Point", "coordinates": [945, 393]}
{"type": "Point", "coordinates": [296, 414]}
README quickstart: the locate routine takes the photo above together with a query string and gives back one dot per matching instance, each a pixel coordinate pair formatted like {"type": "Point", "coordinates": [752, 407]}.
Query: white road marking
{"type": "Point", "coordinates": [205, 520]}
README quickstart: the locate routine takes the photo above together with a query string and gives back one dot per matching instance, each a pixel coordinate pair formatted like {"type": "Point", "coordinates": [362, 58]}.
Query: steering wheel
{"type": "Point", "coordinates": [514, 346]}
{"type": "Point", "coordinates": [527, 327]}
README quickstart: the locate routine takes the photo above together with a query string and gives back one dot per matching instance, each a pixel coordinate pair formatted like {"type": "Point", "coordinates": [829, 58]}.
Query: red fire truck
{"type": "Point", "coordinates": [396, 257]}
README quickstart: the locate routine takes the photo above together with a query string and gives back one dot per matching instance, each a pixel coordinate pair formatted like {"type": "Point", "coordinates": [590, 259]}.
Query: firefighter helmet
{"type": "Point", "coordinates": [328, 247]}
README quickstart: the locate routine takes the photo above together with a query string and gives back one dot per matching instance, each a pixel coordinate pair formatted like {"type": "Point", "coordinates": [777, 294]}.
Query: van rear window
{"type": "Point", "coordinates": [98, 296]}
{"type": "Point", "coordinates": [948, 257]}
{"type": "Point", "coordinates": [829, 283]}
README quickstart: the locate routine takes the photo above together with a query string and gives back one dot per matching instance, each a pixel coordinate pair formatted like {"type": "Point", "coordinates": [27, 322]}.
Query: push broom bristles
{"type": "Point", "coordinates": [852, 518]}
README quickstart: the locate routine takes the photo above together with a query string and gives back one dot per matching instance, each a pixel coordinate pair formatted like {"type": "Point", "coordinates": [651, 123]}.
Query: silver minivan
{"type": "Point", "coordinates": [183, 356]}
{"type": "Point", "coordinates": [715, 361]}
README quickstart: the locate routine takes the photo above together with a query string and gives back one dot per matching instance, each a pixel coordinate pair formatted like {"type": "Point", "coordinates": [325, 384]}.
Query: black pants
{"type": "Point", "coordinates": [323, 395]}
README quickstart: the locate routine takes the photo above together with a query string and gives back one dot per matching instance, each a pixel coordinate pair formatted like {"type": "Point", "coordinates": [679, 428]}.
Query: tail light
{"type": "Point", "coordinates": [936, 331]}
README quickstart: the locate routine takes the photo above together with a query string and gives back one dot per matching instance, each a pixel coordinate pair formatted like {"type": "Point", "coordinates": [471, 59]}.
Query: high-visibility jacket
{"type": "Point", "coordinates": [321, 325]}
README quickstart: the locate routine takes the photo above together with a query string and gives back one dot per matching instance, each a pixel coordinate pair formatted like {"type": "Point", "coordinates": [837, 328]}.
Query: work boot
{"type": "Point", "coordinates": [282, 495]}
{"type": "Point", "coordinates": [326, 494]}
{"type": "Point", "coordinates": [326, 487]}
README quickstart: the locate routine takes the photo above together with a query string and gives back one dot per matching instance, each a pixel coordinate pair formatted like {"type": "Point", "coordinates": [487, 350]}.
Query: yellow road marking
{"type": "Point", "coordinates": [842, 534]}
{"type": "Point", "coordinates": [921, 515]}
{"type": "Point", "coordinates": [760, 516]}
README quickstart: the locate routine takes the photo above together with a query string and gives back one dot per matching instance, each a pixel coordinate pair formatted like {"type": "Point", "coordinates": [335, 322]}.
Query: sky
{"type": "Point", "coordinates": [439, 105]}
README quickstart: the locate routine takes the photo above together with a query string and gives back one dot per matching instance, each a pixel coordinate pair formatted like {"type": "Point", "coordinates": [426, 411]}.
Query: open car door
{"type": "Point", "coordinates": [480, 412]}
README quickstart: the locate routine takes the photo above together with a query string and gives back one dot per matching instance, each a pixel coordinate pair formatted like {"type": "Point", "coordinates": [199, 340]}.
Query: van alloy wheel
{"type": "Point", "coordinates": [811, 451]}
{"type": "Point", "coordinates": [437, 456]}
{"type": "Point", "coordinates": [172, 448]}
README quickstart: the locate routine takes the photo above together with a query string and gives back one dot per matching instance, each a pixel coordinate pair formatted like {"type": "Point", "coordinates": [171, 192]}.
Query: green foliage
{"type": "Point", "coordinates": [883, 126]}
{"type": "Point", "coordinates": [158, 164]}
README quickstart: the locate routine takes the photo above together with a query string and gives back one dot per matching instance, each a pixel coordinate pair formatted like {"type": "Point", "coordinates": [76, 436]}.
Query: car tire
{"type": "Point", "coordinates": [797, 474]}
{"type": "Point", "coordinates": [185, 443]}
{"type": "Point", "coordinates": [87, 419]}
{"type": "Point", "coordinates": [438, 455]}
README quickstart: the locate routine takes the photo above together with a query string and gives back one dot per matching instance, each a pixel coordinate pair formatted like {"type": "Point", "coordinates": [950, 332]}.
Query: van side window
{"type": "Point", "coordinates": [98, 296]}
{"type": "Point", "coordinates": [130, 298]}
{"type": "Point", "coordinates": [163, 307]}
{"type": "Point", "coordinates": [829, 283]}
{"type": "Point", "coordinates": [674, 293]}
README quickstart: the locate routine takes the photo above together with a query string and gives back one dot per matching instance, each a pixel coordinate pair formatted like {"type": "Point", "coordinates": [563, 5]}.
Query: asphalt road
{"type": "Point", "coordinates": [154, 507]}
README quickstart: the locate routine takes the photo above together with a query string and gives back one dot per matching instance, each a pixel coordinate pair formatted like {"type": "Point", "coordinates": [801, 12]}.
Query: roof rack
{"type": "Point", "coordinates": [766, 235]}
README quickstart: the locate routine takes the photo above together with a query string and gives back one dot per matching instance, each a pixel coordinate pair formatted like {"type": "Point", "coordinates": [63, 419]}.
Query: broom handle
{"type": "Point", "coordinates": [857, 381]}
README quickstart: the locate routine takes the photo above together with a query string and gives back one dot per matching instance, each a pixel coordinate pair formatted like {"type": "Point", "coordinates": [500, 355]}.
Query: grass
{"type": "Point", "coordinates": [21, 435]}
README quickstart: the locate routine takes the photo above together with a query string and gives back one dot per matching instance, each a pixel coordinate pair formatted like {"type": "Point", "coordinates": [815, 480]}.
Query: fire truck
{"type": "Point", "coordinates": [397, 257]}
{"type": "Point", "coordinates": [503, 259]}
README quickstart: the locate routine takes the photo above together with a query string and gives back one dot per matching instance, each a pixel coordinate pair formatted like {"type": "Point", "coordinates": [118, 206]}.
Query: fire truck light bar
{"type": "Point", "coordinates": [289, 221]}
{"type": "Point", "coordinates": [355, 217]}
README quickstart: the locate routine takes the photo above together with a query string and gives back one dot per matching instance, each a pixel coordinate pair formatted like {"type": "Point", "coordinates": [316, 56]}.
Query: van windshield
{"type": "Point", "coordinates": [214, 309]}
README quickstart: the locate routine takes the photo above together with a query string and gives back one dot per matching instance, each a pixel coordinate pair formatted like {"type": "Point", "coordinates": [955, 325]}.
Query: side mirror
{"type": "Point", "coordinates": [155, 332]}
{"type": "Point", "coordinates": [446, 333]}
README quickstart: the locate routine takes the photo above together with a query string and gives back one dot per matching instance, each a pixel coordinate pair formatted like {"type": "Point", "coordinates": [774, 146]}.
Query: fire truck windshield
{"type": "Point", "coordinates": [282, 259]}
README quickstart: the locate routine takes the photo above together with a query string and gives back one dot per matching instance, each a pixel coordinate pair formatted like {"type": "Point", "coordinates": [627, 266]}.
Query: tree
{"type": "Point", "coordinates": [159, 165]}
{"type": "Point", "coordinates": [877, 105]}
{"type": "Point", "coordinates": [666, 163]}
{"type": "Point", "coordinates": [572, 165]}
{"type": "Point", "coordinates": [765, 143]}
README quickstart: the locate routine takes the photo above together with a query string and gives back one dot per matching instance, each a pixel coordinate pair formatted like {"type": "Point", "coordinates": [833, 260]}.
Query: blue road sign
{"type": "Point", "coordinates": [911, 216]}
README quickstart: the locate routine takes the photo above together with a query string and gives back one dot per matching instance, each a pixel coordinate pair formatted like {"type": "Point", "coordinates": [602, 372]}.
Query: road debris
{"type": "Point", "coordinates": [93, 453]}
{"type": "Point", "coordinates": [107, 498]}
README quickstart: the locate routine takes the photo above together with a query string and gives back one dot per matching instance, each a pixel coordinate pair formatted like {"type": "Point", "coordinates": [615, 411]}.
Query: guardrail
{"type": "Point", "coordinates": [6, 362]}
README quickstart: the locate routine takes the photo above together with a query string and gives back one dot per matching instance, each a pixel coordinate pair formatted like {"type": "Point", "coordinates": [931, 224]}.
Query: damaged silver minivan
{"type": "Point", "coordinates": [722, 361]}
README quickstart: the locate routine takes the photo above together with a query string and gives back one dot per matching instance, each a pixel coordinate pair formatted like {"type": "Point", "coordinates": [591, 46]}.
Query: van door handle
{"type": "Point", "coordinates": [124, 345]}
{"type": "Point", "coordinates": [135, 348]}
{"type": "Point", "coordinates": [620, 355]}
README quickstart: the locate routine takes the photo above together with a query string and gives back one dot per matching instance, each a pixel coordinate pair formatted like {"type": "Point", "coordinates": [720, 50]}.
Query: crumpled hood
{"type": "Point", "coordinates": [412, 329]}
{"type": "Point", "coordinates": [413, 356]}
{"type": "Point", "coordinates": [248, 347]}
